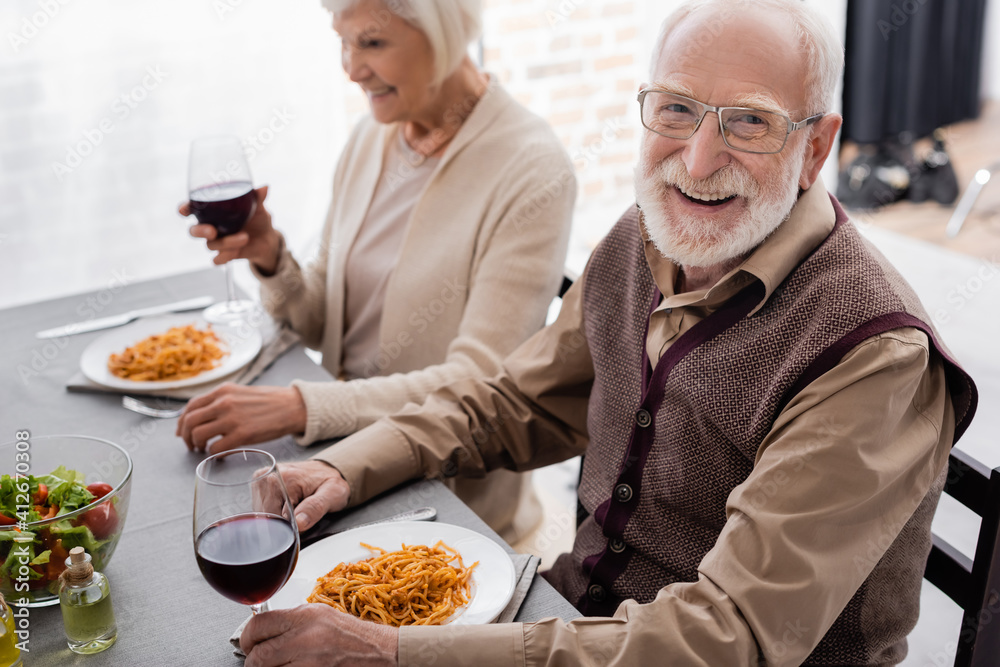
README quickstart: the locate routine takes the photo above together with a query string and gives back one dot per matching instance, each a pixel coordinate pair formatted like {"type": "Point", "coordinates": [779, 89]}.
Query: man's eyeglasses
{"type": "Point", "coordinates": [747, 130]}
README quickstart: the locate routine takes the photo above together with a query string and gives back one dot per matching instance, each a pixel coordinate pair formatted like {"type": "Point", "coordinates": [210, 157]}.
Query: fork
{"type": "Point", "coordinates": [135, 405]}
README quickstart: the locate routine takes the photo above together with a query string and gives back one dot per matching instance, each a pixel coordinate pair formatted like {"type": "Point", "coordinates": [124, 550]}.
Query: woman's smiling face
{"type": "Point", "coordinates": [390, 59]}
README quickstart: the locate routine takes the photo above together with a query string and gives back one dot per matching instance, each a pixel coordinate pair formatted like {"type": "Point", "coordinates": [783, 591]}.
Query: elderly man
{"type": "Point", "coordinates": [765, 410]}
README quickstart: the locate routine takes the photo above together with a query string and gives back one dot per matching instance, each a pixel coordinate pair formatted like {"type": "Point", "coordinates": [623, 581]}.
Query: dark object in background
{"type": "Point", "coordinates": [912, 66]}
{"type": "Point", "coordinates": [936, 179]}
{"type": "Point", "coordinates": [886, 173]}
{"type": "Point", "coordinates": [875, 178]}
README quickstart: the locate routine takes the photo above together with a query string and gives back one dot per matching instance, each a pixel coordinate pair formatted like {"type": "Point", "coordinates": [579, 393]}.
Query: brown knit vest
{"type": "Point", "coordinates": [668, 445]}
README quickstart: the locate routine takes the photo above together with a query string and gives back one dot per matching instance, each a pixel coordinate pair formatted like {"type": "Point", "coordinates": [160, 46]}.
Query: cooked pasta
{"type": "Point", "coordinates": [181, 352]}
{"type": "Point", "coordinates": [417, 585]}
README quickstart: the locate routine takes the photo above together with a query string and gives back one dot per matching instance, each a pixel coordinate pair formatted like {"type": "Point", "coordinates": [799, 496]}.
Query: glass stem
{"type": "Point", "coordinates": [230, 284]}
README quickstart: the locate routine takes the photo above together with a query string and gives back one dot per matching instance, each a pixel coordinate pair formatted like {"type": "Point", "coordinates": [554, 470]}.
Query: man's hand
{"type": "Point", "coordinates": [314, 489]}
{"type": "Point", "coordinates": [315, 635]}
{"type": "Point", "coordinates": [242, 415]}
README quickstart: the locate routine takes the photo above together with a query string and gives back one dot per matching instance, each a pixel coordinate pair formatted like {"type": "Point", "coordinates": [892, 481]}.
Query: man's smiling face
{"type": "Point", "coordinates": [703, 202]}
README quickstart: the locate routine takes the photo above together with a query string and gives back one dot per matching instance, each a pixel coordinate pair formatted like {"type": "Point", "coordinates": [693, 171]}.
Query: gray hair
{"type": "Point", "coordinates": [817, 39]}
{"type": "Point", "coordinates": [449, 25]}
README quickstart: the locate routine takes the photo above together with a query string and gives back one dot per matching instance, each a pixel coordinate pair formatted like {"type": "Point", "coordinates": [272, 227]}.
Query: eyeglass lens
{"type": "Point", "coordinates": [750, 130]}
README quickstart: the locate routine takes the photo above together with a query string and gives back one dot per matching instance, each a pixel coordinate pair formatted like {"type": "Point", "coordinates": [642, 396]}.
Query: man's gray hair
{"type": "Point", "coordinates": [819, 41]}
{"type": "Point", "coordinates": [450, 26]}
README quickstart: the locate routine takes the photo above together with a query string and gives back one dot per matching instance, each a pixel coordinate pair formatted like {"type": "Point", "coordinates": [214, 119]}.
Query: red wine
{"type": "Point", "coordinates": [226, 206]}
{"type": "Point", "coordinates": [247, 557]}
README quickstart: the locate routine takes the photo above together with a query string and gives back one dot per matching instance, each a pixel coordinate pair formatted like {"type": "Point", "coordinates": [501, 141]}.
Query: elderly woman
{"type": "Point", "coordinates": [442, 249]}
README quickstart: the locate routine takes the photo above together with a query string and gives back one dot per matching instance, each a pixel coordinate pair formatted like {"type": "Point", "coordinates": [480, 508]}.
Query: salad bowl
{"type": "Point", "coordinates": [57, 492]}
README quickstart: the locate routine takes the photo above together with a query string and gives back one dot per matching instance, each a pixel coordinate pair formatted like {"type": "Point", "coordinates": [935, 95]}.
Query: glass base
{"type": "Point", "coordinates": [94, 645]}
{"type": "Point", "coordinates": [229, 312]}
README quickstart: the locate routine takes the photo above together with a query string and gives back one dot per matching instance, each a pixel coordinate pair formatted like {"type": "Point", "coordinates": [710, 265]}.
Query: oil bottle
{"type": "Point", "coordinates": [10, 654]}
{"type": "Point", "coordinates": [85, 598]}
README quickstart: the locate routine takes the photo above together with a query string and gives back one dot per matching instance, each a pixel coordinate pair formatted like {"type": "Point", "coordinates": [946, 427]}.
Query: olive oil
{"type": "Point", "coordinates": [10, 654]}
{"type": "Point", "coordinates": [85, 599]}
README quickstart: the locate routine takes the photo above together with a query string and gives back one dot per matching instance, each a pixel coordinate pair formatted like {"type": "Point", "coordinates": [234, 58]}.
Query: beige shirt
{"type": "Point", "coordinates": [376, 251]}
{"type": "Point", "coordinates": [884, 410]}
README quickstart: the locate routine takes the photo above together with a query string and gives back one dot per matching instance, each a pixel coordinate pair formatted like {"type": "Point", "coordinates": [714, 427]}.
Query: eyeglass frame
{"type": "Point", "coordinates": [705, 108]}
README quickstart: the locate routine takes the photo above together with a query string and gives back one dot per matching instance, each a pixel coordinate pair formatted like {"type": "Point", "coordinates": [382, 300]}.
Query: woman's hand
{"type": "Point", "coordinates": [242, 415]}
{"type": "Point", "coordinates": [317, 635]}
{"type": "Point", "coordinates": [257, 241]}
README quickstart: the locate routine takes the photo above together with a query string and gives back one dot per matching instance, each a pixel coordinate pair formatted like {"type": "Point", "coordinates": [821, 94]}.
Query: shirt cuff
{"type": "Point", "coordinates": [331, 410]}
{"type": "Point", "coordinates": [496, 645]}
{"type": "Point", "coordinates": [373, 460]}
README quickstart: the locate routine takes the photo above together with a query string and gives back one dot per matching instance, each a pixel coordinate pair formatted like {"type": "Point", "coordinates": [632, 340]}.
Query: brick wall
{"type": "Point", "coordinates": [577, 63]}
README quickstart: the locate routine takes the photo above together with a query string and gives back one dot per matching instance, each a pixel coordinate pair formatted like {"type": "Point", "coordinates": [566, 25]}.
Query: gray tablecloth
{"type": "Point", "coordinates": [166, 612]}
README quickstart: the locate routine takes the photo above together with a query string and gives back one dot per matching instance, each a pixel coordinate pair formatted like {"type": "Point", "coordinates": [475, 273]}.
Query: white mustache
{"type": "Point", "coordinates": [731, 179]}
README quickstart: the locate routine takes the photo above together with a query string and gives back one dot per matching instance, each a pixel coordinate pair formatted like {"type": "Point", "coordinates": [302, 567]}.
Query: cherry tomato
{"type": "Point", "coordinates": [100, 489]}
{"type": "Point", "coordinates": [42, 495]}
{"type": "Point", "coordinates": [102, 520]}
{"type": "Point", "coordinates": [7, 521]}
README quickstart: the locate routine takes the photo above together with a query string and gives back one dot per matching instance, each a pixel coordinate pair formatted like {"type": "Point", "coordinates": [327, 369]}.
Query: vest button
{"type": "Point", "coordinates": [623, 493]}
{"type": "Point", "coordinates": [667, 311]}
{"type": "Point", "coordinates": [596, 593]}
{"type": "Point", "coordinates": [617, 545]}
{"type": "Point", "coordinates": [643, 419]}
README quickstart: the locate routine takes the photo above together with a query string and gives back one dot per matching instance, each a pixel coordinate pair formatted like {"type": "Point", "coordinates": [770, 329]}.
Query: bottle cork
{"type": "Point", "coordinates": [79, 570]}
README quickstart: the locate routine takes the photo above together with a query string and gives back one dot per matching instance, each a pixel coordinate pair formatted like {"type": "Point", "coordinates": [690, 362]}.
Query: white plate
{"type": "Point", "coordinates": [243, 342]}
{"type": "Point", "coordinates": [492, 580]}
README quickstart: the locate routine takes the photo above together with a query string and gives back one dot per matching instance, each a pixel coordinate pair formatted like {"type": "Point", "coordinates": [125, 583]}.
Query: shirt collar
{"type": "Point", "coordinates": [810, 222]}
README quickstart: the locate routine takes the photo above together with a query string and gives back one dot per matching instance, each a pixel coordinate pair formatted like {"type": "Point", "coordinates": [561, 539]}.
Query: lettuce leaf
{"type": "Point", "coordinates": [9, 500]}
{"type": "Point", "coordinates": [76, 536]}
{"type": "Point", "coordinates": [66, 490]}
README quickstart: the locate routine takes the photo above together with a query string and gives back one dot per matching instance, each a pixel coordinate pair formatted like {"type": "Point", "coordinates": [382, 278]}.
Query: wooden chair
{"type": "Point", "coordinates": [973, 584]}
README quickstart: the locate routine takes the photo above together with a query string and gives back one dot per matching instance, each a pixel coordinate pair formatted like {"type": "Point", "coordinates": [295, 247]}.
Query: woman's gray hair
{"type": "Point", "coordinates": [817, 38]}
{"type": "Point", "coordinates": [449, 25]}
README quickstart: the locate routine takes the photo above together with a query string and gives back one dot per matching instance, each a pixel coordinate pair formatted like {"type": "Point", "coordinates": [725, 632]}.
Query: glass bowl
{"type": "Point", "coordinates": [96, 527]}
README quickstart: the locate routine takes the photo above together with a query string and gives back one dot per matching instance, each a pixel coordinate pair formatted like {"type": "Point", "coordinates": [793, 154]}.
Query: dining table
{"type": "Point", "coordinates": [167, 614]}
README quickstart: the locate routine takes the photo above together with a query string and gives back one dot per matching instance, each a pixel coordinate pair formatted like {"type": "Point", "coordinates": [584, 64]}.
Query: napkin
{"type": "Point", "coordinates": [525, 566]}
{"type": "Point", "coordinates": [277, 344]}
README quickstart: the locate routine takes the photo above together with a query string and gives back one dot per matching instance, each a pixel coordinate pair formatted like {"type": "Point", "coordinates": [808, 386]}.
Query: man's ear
{"type": "Point", "coordinates": [820, 143]}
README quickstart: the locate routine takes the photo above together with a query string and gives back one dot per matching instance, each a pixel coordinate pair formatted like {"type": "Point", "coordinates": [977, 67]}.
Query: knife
{"type": "Point", "coordinates": [124, 318]}
{"type": "Point", "coordinates": [317, 533]}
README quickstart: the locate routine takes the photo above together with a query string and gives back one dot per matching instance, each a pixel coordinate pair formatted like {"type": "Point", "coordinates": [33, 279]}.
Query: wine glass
{"type": "Point", "coordinates": [221, 194]}
{"type": "Point", "coordinates": [246, 541]}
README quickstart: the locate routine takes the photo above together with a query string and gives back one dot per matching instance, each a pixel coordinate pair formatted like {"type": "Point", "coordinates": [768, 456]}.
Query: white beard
{"type": "Point", "coordinates": [687, 239]}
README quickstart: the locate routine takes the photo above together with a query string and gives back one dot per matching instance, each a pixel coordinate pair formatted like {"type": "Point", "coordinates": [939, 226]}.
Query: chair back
{"type": "Point", "coordinates": [973, 584]}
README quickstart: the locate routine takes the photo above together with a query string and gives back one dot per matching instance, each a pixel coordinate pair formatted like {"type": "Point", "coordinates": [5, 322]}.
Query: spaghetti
{"type": "Point", "coordinates": [181, 352]}
{"type": "Point", "coordinates": [417, 585]}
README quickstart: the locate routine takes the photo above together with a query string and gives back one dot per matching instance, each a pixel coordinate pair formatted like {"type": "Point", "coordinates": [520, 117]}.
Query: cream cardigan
{"type": "Point", "coordinates": [481, 261]}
